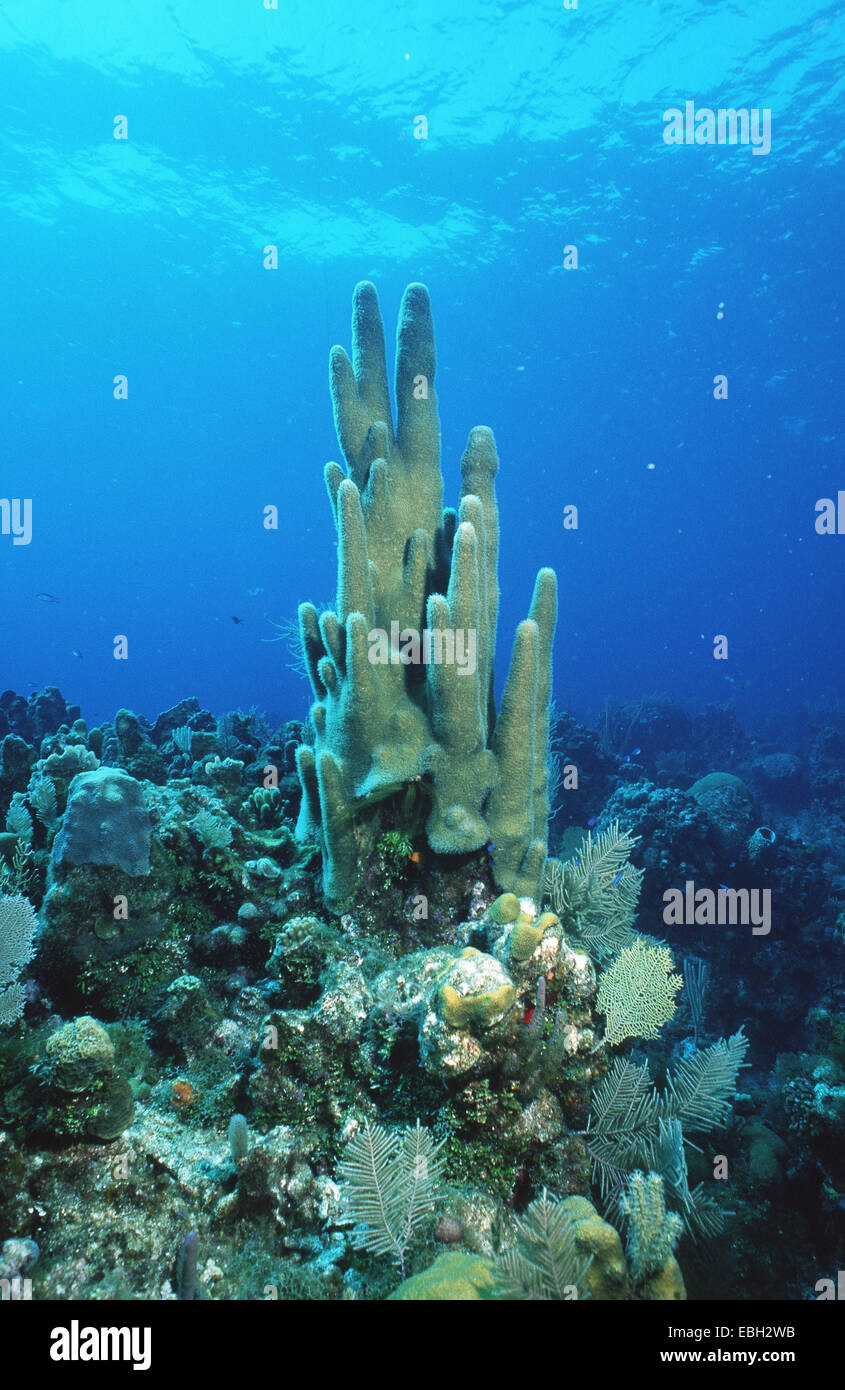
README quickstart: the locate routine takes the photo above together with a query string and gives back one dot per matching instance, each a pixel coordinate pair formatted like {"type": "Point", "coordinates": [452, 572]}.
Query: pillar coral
{"type": "Point", "coordinates": [380, 726]}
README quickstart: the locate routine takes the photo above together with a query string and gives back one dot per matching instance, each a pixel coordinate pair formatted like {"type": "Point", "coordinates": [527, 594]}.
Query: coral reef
{"type": "Point", "coordinates": [228, 1032]}
{"type": "Point", "coordinates": [729, 806]}
{"type": "Point", "coordinates": [89, 1096]}
{"type": "Point", "coordinates": [306, 1011]}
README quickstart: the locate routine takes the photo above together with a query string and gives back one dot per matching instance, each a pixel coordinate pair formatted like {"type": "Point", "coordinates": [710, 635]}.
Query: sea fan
{"type": "Point", "coordinates": [17, 931]}
{"type": "Point", "coordinates": [637, 992]}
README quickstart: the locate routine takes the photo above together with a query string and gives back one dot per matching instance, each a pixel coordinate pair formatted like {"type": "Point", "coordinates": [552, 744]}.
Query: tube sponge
{"type": "Point", "coordinates": [406, 564]}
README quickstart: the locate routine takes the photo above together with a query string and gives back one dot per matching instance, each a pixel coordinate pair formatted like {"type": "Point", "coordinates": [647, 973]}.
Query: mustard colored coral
{"type": "Point", "coordinates": [524, 939]}
{"type": "Point", "coordinates": [466, 1015]}
{"type": "Point", "coordinates": [667, 1285]}
{"type": "Point", "coordinates": [504, 909]}
{"type": "Point", "coordinates": [469, 1005]}
{"type": "Point", "coordinates": [607, 1276]}
{"type": "Point", "coordinates": [480, 1009]}
{"type": "Point", "coordinates": [528, 932]}
{"type": "Point", "coordinates": [455, 1277]}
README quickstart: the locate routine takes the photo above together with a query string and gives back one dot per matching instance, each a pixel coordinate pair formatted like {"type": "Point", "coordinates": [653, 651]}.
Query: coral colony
{"type": "Point", "coordinates": [338, 1022]}
{"type": "Point", "coordinates": [381, 730]}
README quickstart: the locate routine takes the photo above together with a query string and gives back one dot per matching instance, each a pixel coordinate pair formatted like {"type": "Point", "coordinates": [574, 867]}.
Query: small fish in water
{"type": "Point", "coordinates": [618, 877]}
{"type": "Point", "coordinates": [591, 822]}
{"type": "Point", "coordinates": [732, 864]}
{"type": "Point", "coordinates": [635, 752]}
{"type": "Point", "coordinates": [237, 620]}
{"type": "Point", "coordinates": [490, 846]}
{"type": "Point", "coordinates": [724, 887]}
{"type": "Point", "coordinates": [77, 654]}
{"type": "Point", "coordinates": [253, 593]}
{"type": "Point", "coordinates": [47, 598]}
{"type": "Point", "coordinates": [576, 861]}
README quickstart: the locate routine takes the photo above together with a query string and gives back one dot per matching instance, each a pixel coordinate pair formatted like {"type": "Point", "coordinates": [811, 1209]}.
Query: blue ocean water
{"type": "Point", "coordinates": [296, 127]}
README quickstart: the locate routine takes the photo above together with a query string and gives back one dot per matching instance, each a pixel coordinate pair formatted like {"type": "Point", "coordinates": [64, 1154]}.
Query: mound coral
{"type": "Point", "coordinates": [402, 666]}
{"type": "Point", "coordinates": [106, 822]}
{"type": "Point", "coordinates": [729, 806]}
{"type": "Point", "coordinates": [455, 1277]}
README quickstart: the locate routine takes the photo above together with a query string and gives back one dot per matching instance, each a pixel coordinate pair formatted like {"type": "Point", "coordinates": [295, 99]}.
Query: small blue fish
{"type": "Point", "coordinates": [490, 846]}
{"type": "Point", "coordinates": [576, 861]}
{"type": "Point", "coordinates": [732, 864]}
{"type": "Point", "coordinates": [724, 887]}
{"type": "Point", "coordinates": [591, 821]}
{"type": "Point", "coordinates": [618, 877]}
{"type": "Point", "coordinates": [635, 752]}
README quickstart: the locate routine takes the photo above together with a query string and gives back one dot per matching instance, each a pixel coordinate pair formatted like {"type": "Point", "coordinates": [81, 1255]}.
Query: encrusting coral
{"type": "Point", "coordinates": [415, 709]}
